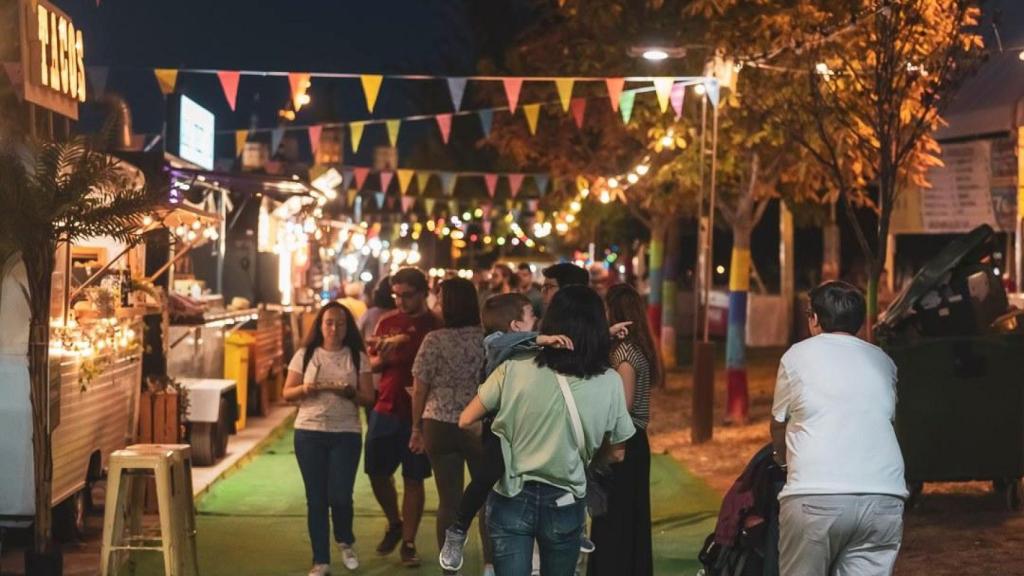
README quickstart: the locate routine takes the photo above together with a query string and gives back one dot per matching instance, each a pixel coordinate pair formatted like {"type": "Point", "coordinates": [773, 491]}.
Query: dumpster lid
{"type": "Point", "coordinates": [931, 274]}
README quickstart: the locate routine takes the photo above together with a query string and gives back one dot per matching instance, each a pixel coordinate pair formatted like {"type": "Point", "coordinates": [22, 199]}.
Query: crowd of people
{"type": "Point", "coordinates": [541, 390]}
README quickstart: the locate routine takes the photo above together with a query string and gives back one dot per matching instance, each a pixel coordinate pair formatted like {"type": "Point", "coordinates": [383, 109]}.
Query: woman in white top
{"type": "Point", "coordinates": [328, 378]}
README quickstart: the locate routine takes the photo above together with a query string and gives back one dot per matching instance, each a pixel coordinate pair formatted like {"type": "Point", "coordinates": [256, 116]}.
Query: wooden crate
{"type": "Point", "coordinates": [159, 423]}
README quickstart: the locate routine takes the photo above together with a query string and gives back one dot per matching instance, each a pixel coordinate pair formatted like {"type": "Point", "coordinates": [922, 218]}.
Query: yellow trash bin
{"type": "Point", "coordinates": [237, 348]}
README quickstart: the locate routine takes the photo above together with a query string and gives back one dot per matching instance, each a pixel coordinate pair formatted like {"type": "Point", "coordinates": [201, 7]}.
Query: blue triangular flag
{"type": "Point", "coordinates": [711, 87]}
{"type": "Point", "coordinates": [276, 135]}
{"type": "Point", "coordinates": [448, 183]}
{"type": "Point", "coordinates": [486, 119]}
{"type": "Point", "coordinates": [541, 180]}
{"type": "Point", "coordinates": [379, 197]}
{"type": "Point", "coordinates": [346, 179]}
{"type": "Point", "coordinates": [98, 75]}
{"type": "Point", "coordinates": [457, 88]}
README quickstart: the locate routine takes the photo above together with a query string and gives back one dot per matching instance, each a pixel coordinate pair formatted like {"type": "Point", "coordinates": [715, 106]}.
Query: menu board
{"type": "Point", "coordinates": [960, 196]}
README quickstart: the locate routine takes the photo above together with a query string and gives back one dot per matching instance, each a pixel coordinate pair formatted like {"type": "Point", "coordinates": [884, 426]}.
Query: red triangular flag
{"type": "Point", "coordinates": [615, 86]}
{"type": "Point", "coordinates": [314, 138]}
{"type": "Point", "coordinates": [297, 81]}
{"type": "Point", "coordinates": [492, 183]}
{"type": "Point", "coordinates": [407, 203]}
{"type": "Point", "coordinates": [361, 174]}
{"type": "Point", "coordinates": [385, 179]}
{"type": "Point", "coordinates": [515, 182]}
{"type": "Point", "coordinates": [444, 122]}
{"type": "Point", "coordinates": [578, 107]}
{"type": "Point", "coordinates": [512, 88]}
{"type": "Point", "coordinates": [229, 82]}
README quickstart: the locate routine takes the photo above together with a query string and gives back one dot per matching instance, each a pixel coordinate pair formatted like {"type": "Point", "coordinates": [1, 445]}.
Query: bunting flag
{"type": "Point", "coordinates": [168, 78]}
{"type": "Point", "coordinates": [357, 207]}
{"type": "Point", "coordinates": [533, 204]}
{"type": "Point", "coordinates": [404, 178]}
{"type": "Point", "coordinates": [240, 138]}
{"type": "Point", "coordinates": [371, 89]}
{"type": "Point", "coordinates": [299, 82]}
{"type": "Point", "coordinates": [541, 180]}
{"type": "Point", "coordinates": [314, 138]}
{"type": "Point", "coordinates": [512, 88]}
{"type": "Point", "coordinates": [361, 174]}
{"type": "Point", "coordinates": [487, 226]}
{"type": "Point", "coordinates": [486, 121]}
{"type": "Point", "coordinates": [428, 205]}
{"type": "Point", "coordinates": [379, 197]}
{"type": "Point", "coordinates": [626, 105]}
{"type": "Point", "coordinates": [491, 180]}
{"type": "Point", "coordinates": [393, 127]}
{"type": "Point", "coordinates": [579, 107]}
{"type": "Point", "coordinates": [453, 207]}
{"type": "Point", "coordinates": [346, 180]}
{"type": "Point", "coordinates": [385, 179]}
{"type": "Point", "coordinates": [422, 181]}
{"type": "Point", "coordinates": [457, 89]}
{"type": "Point", "coordinates": [16, 76]}
{"type": "Point", "coordinates": [391, 202]}
{"type": "Point", "coordinates": [355, 130]}
{"type": "Point", "coordinates": [515, 182]}
{"type": "Point", "coordinates": [228, 81]}
{"type": "Point", "coordinates": [98, 75]}
{"type": "Point", "coordinates": [532, 112]}
{"type": "Point", "coordinates": [276, 136]}
{"type": "Point", "coordinates": [352, 194]}
{"type": "Point", "coordinates": [711, 89]}
{"type": "Point", "coordinates": [407, 203]}
{"type": "Point", "coordinates": [676, 97]}
{"type": "Point", "coordinates": [663, 88]}
{"type": "Point", "coordinates": [564, 86]}
{"type": "Point", "coordinates": [444, 122]}
{"type": "Point", "coordinates": [448, 183]}
{"type": "Point", "coordinates": [615, 86]}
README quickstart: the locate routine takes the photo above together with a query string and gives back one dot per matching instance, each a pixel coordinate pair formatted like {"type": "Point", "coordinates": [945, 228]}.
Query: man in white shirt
{"type": "Point", "coordinates": [835, 400]}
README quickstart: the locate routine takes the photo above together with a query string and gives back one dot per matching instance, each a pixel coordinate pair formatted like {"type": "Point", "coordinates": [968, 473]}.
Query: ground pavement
{"type": "Point", "coordinates": [253, 522]}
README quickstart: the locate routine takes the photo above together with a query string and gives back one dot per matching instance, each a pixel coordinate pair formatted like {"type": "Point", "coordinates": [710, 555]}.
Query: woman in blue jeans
{"type": "Point", "coordinates": [543, 402]}
{"type": "Point", "coordinates": [329, 377]}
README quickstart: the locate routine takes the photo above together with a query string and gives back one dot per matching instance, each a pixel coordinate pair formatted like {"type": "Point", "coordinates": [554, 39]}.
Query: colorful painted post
{"type": "Point", "coordinates": [669, 290]}
{"type": "Point", "coordinates": [737, 398]}
{"type": "Point", "coordinates": [657, 255]}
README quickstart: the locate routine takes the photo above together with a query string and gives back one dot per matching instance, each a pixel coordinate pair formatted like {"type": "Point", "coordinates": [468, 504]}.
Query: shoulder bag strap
{"type": "Point", "coordinates": [574, 415]}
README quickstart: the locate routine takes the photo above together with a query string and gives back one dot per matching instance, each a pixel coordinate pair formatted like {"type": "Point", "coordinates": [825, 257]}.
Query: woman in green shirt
{"type": "Point", "coordinates": [540, 496]}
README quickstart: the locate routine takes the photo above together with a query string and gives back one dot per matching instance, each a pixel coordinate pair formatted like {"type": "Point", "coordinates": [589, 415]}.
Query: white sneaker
{"type": "Point", "coordinates": [488, 569]}
{"type": "Point", "coordinates": [320, 570]}
{"type": "Point", "coordinates": [348, 556]}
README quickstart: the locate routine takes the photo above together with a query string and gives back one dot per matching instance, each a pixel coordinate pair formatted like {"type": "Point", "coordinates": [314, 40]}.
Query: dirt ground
{"type": "Point", "coordinates": [961, 529]}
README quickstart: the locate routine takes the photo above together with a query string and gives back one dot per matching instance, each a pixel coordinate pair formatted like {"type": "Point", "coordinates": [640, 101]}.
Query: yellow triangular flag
{"type": "Point", "coordinates": [404, 178]}
{"type": "Point", "coordinates": [663, 88]}
{"type": "Point", "coordinates": [393, 127]}
{"type": "Point", "coordinates": [240, 137]}
{"type": "Point", "coordinates": [532, 112]}
{"type": "Point", "coordinates": [355, 130]}
{"type": "Point", "coordinates": [564, 86]}
{"type": "Point", "coordinates": [167, 78]}
{"type": "Point", "coordinates": [371, 88]}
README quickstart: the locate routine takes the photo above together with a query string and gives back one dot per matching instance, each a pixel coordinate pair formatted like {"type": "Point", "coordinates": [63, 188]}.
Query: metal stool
{"type": "Point", "coordinates": [171, 466]}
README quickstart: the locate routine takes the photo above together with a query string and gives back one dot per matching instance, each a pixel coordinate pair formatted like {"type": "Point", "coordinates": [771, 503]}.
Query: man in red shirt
{"type": "Point", "coordinates": [394, 346]}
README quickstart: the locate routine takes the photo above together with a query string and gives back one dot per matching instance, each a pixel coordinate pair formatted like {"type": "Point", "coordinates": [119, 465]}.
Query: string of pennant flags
{"type": "Point", "coordinates": [355, 177]}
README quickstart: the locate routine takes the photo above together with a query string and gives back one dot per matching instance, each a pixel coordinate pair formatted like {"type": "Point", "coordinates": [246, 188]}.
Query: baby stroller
{"type": "Point", "coordinates": [746, 538]}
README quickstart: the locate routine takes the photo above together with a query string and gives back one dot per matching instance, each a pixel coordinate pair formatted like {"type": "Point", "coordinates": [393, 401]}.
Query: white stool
{"type": "Point", "coordinates": [171, 466]}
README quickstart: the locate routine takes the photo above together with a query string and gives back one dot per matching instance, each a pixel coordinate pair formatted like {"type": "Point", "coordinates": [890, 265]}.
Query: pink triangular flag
{"type": "Point", "coordinates": [385, 179]}
{"type": "Point", "coordinates": [615, 86]}
{"type": "Point", "coordinates": [407, 203]}
{"type": "Point", "coordinates": [579, 107]}
{"type": "Point", "coordinates": [229, 82]}
{"type": "Point", "coordinates": [512, 88]}
{"type": "Point", "coordinates": [491, 180]}
{"type": "Point", "coordinates": [314, 138]}
{"type": "Point", "coordinates": [361, 174]}
{"type": "Point", "coordinates": [444, 122]}
{"type": "Point", "coordinates": [515, 182]}
{"type": "Point", "coordinates": [676, 97]}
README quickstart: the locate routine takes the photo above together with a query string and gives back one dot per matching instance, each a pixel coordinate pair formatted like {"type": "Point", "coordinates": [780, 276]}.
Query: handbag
{"type": "Point", "coordinates": [597, 491]}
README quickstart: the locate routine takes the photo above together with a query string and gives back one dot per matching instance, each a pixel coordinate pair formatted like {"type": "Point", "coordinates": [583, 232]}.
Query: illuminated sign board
{"type": "Point", "coordinates": [196, 134]}
{"type": "Point", "coordinates": [53, 58]}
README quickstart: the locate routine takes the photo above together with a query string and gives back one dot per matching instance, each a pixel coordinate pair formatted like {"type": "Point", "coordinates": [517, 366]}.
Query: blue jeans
{"type": "Point", "coordinates": [534, 514]}
{"type": "Point", "coordinates": [328, 462]}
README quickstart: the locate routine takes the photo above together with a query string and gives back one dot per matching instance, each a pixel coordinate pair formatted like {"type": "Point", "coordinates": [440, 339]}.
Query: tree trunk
{"type": "Point", "coordinates": [654, 276]}
{"type": "Point", "coordinates": [669, 293]}
{"type": "Point", "coordinates": [40, 274]}
{"type": "Point", "coordinates": [737, 395]}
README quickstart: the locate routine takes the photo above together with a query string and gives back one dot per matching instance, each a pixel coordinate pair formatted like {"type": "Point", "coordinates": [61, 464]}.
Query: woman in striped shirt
{"type": "Point", "coordinates": [623, 535]}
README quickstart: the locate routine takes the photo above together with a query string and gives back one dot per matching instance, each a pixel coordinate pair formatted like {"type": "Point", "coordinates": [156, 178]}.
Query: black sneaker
{"type": "Point", "coordinates": [409, 557]}
{"type": "Point", "coordinates": [390, 540]}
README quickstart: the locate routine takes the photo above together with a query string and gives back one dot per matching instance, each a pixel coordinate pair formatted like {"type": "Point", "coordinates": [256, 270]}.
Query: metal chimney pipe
{"type": "Point", "coordinates": [120, 113]}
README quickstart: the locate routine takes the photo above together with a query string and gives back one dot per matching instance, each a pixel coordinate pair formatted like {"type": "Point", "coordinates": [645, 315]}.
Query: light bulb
{"type": "Point", "coordinates": [642, 169]}
{"type": "Point", "coordinates": [632, 178]}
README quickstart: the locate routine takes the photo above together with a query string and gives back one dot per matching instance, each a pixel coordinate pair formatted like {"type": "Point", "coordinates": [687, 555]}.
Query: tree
{"type": "Point", "coordinates": [51, 194]}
